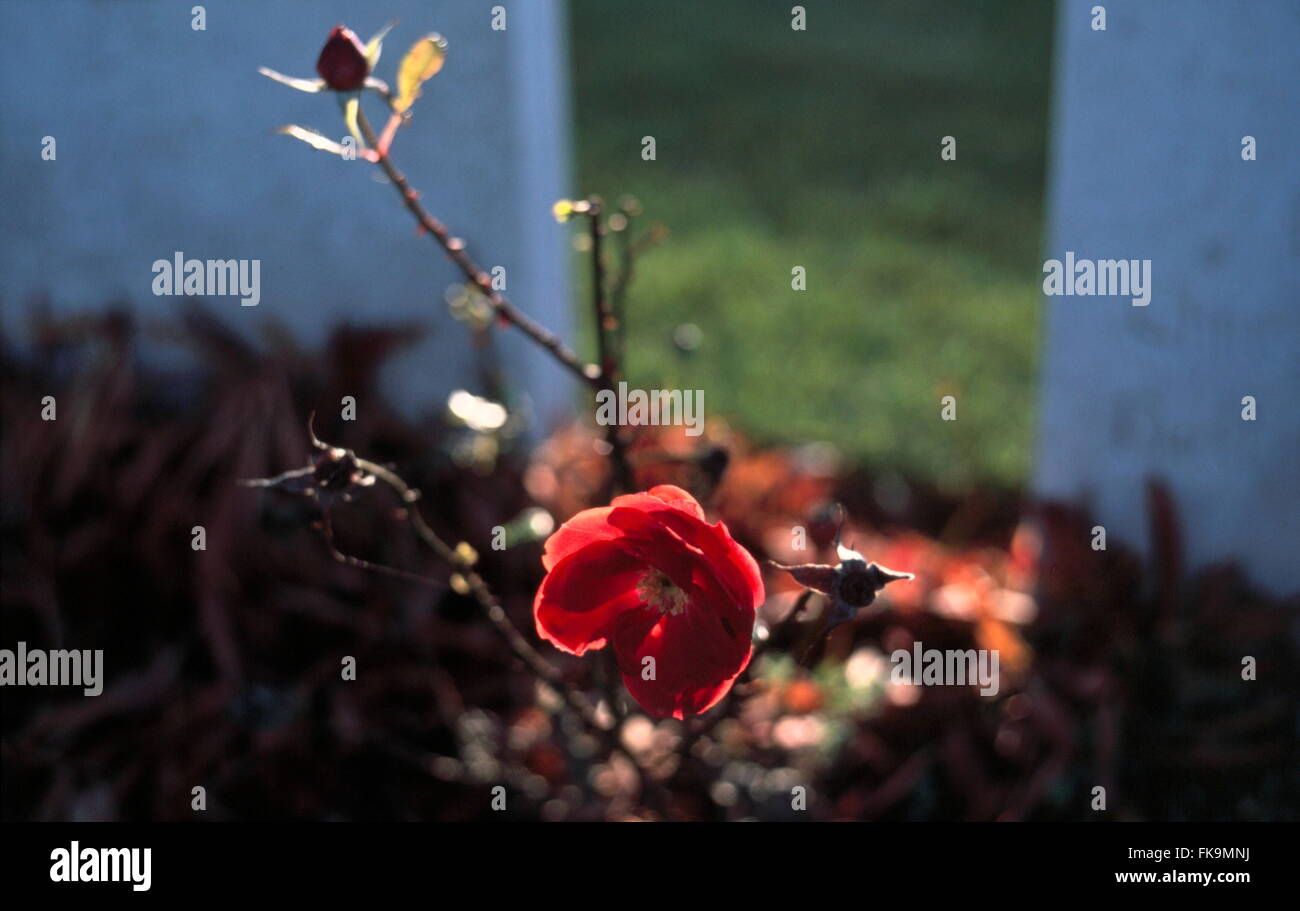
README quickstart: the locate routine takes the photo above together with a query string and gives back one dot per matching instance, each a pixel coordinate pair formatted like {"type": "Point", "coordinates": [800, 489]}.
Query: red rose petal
{"type": "Point", "coordinates": [593, 525]}
{"type": "Point", "coordinates": [579, 599]}
{"type": "Point", "coordinates": [695, 660]}
{"type": "Point", "coordinates": [676, 497]}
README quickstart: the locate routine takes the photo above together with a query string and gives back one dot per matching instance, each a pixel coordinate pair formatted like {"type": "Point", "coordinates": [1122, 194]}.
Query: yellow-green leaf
{"type": "Point", "coordinates": [351, 107]}
{"type": "Point", "coordinates": [375, 46]}
{"type": "Point", "coordinates": [421, 62]}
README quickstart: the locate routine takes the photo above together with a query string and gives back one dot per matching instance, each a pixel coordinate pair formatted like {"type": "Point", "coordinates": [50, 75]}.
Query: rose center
{"type": "Point", "coordinates": [658, 591]}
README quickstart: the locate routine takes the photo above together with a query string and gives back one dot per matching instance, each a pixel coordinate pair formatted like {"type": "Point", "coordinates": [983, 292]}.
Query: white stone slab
{"type": "Point", "coordinates": [1146, 163]}
{"type": "Point", "coordinates": [165, 143]}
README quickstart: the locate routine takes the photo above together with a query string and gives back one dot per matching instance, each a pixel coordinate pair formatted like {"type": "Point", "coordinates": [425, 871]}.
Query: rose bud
{"type": "Point", "coordinates": [851, 584]}
{"type": "Point", "coordinates": [342, 62]}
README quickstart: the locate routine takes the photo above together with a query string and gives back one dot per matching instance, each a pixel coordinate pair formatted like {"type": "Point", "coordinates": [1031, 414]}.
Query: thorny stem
{"type": "Point", "coordinates": [629, 249]}
{"type": "Point", "coordinates": [618, 292]}
{"type": "Point", "coordinates": [606, 330]}
{"type": "Point", "coordinates": [327, 531]}
{"type": "Point", "coordinates": [600, 375]}
{"type": "Point", "coordinates": [463, 564]}
{"type": "Point", "coordinates": [455, 250]}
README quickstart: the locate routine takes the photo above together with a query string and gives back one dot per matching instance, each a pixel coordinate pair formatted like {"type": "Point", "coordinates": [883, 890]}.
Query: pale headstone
{"type": "Point", "coordinates": [165, 143]}
{"type": "Point", "coordinates": [1147, 163]}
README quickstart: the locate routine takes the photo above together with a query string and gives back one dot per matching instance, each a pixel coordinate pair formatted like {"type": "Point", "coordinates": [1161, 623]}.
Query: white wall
{"type": "Point", "coordinates": [165, 143]}
{"type": "Point", "coordinates": [1146, 163]}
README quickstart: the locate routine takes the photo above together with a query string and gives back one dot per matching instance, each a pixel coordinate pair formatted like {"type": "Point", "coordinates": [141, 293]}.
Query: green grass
{"type": "Point", "coordinates": [820, 148]}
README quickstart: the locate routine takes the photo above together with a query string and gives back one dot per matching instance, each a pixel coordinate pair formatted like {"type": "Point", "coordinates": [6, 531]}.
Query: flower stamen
{"type": "Point", "coordinates": [659, 592]}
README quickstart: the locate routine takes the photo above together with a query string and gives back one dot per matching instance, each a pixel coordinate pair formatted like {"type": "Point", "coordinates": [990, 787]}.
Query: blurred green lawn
{"type": "Point", "coordinates": [820, 148]}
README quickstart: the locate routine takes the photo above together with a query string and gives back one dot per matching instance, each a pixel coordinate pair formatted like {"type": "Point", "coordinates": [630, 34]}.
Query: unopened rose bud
{"type": "Point", "coordinates": [850, 584]}
{"type": "Point", "coordinates": [342, 62]}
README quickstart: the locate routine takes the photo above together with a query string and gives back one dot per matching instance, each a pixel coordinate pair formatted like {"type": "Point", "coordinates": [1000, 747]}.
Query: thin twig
{"type": "Point", "coordinates": [600, 375]}
{"type": "Point", "coordinates": [455, 250]}
{"type": "Point", "coordinates": [327, 532]}
{"type": "Point", "coordinates": [629, 248]}
{"type": "Point", "coordinates": [618, 289]}
{"type": "Point", "coordinates": [462, 564]}
{"type": "Point", "coordinates": [606, 357]}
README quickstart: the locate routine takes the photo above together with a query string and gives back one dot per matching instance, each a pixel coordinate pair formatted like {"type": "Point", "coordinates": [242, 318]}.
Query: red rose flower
{"type": "Point", "coordinates": [650, 576]}
{"type": "Point", "coordinates": [342, 62]}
